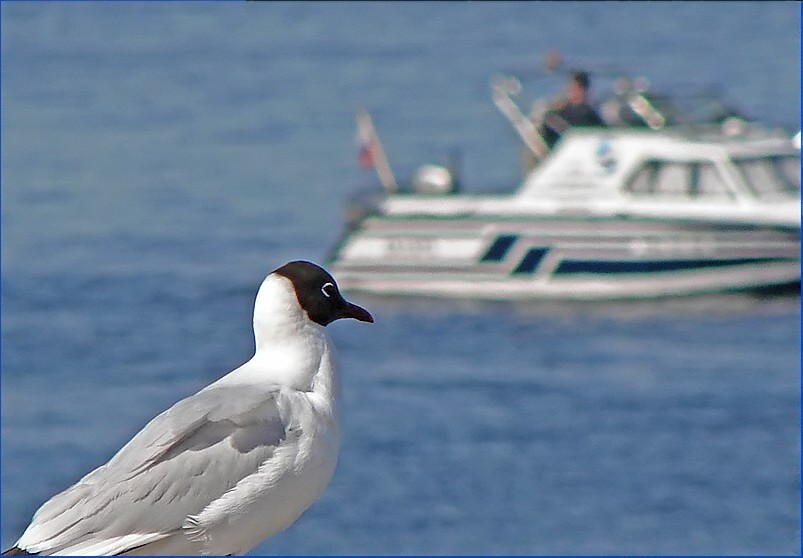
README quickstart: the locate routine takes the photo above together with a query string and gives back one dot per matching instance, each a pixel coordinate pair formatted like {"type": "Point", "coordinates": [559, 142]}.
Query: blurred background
{"type": "Point", "coordinates": [158, 159]}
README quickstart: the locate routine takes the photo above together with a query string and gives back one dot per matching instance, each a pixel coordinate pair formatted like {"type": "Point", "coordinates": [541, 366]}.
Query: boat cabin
{"type": "Point", "coordinates": [648, 165]}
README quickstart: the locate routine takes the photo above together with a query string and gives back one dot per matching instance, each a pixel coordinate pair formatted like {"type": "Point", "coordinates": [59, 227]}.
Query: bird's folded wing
{"type": "Point", "coordinates": [182, 460]}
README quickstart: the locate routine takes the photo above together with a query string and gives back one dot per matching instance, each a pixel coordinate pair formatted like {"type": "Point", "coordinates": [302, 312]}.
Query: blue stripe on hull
{"type": "Point", "coordinates": [531, 260]}
{"type": "Point", "coordinates": [500, 248]}
{"type": "Point", "coordinates": [652, 266]}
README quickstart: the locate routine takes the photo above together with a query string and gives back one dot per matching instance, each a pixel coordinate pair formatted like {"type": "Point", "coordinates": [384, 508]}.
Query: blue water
{"type": "Point", "coordinates": [159, 158]}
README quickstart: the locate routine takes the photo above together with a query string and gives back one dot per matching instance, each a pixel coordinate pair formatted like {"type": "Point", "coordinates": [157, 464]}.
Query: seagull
{"type": "Point", "coordinates": [231, 465]}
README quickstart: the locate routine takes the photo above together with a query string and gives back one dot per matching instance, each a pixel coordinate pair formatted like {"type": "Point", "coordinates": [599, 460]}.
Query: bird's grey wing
{"type": "Point", "coordinates": [182, 460]}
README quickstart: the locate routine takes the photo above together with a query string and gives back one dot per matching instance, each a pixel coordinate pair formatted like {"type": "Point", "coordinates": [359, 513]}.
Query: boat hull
{"type": "Point", "coordinates": [564, 258]}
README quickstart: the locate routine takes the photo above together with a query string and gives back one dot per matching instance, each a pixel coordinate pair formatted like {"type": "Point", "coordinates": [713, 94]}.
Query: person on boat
{"type": "Point", "coordinates": [574, 109]}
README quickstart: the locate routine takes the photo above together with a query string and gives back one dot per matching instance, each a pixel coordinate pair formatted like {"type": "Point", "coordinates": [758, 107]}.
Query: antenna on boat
{"type": "Point", "coordinates": [372, 154]}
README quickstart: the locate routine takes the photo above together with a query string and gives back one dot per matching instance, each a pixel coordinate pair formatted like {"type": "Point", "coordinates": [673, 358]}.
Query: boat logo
{"type": "Point", "coordinates": [606, 157]}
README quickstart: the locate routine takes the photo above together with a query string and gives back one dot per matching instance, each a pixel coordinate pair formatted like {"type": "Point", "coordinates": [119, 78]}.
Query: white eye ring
{"type": "Point", "coordinates": [324, 291]}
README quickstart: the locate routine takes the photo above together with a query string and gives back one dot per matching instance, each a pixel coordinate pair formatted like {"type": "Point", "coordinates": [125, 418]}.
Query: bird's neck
{"type": "Point", "coordinates": [298, 356]}
{"type": "Point", "coordinates": [291, 350]}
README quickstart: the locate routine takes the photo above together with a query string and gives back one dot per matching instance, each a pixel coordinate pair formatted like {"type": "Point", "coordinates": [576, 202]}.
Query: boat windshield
{"type": "Point", "coordinates": [677, 179]}
{"type": "Point", "coordinates": [771, 176]}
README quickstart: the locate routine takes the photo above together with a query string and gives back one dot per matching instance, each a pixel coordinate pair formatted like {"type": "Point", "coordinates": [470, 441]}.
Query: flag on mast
{"type": "Point", "coordinates": [366, 142]}
{"type": "Point", "coordinates": [371, 152]}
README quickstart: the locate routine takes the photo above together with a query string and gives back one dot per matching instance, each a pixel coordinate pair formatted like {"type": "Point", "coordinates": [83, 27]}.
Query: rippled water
{"type": "Point", "coordinates": [160, 158]}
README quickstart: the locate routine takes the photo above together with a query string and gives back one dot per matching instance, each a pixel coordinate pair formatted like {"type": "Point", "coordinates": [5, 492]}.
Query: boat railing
{"type": "Point", "coordinates": [631, 102]}
{"type": "Point", "coordinates": [527, 129]}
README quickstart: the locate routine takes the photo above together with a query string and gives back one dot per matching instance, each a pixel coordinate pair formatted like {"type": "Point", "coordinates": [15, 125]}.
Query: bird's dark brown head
{"type": "Point", "coordinates": [318, 294]}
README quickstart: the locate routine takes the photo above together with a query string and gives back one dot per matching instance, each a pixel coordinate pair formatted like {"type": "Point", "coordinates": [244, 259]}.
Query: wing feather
{"type": "Point", "coordinates": [182, 460]}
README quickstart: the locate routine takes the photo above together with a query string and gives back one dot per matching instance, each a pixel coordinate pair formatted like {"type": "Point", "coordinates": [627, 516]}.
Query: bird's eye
{"type": "Point", "coordinates": [328, 290]}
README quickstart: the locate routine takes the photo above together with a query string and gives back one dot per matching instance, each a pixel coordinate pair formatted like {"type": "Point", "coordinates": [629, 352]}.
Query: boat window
{"type": "Point", "coordinates": [673, 179]}
{"type": "Point", "coordinates": [771, 176]}
{"type": "Point", "coordinates": [790, 170]}
{"type": "Point", "coordinates": [644, 180]}
{"type": "Point", "coordinates": [708, 181]}
{"type": "Point", "coordinates": [678, 179]}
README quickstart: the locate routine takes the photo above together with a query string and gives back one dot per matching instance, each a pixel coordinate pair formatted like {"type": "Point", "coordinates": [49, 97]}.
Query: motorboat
{"type": "Point", "coordinates": [657, 208]}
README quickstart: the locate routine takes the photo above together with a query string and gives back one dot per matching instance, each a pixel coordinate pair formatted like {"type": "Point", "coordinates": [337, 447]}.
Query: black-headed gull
{"type": "Point", "coordinates": [239, 461]}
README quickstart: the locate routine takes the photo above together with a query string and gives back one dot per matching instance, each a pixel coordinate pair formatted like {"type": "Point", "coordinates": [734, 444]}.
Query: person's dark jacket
{"type": "Point", "coordinates": [557, 122]}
